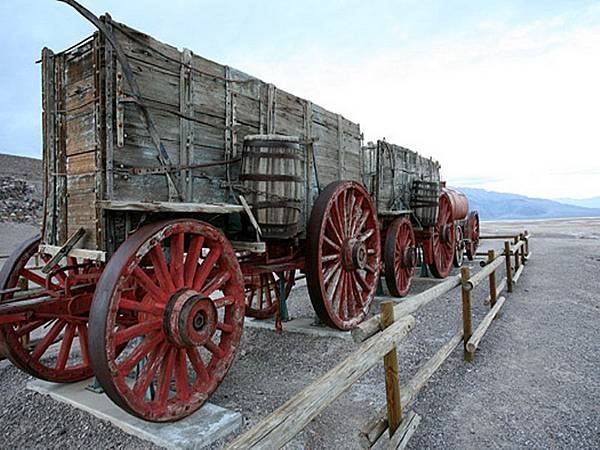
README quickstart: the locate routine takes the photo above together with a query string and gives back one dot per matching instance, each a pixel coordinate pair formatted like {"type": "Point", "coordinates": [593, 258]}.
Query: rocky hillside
{"type": "Point", "coordinates": [20, 189]}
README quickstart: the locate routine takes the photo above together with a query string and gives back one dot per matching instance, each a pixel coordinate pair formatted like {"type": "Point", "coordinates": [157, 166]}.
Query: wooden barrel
{"type": "Point", "coordinates": [273, 177]}
{"type": "Point", "coordinates": [424, 201]}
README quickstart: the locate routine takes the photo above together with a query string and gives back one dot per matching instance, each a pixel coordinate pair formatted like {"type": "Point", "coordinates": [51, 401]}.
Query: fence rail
{"type": "Point", "coordinates": [378, 337]}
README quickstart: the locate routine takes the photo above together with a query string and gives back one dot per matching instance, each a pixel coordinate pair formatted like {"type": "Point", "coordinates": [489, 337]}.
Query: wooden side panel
{"type": "Point", "coordinates": [203, 110]}
{"type": "Point", "coordinates": [398, 168]}
{"type": "Point", "coordinates": [70, 136]}
{"type": "Point", "coordinates": [81, 141]}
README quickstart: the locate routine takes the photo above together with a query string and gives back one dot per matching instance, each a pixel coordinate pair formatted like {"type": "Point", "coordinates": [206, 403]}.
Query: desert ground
{"type": "Point", "coordinates": [534, 382]}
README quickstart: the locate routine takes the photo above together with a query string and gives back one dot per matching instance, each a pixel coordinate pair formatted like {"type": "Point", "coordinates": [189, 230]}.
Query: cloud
{"type": "Point", "coordinates": [508, 103]}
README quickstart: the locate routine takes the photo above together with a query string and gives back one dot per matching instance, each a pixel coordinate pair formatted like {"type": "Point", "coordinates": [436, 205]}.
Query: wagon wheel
{"type": "Point", "coordinates": [262, 292]}
{"type": "Point", "coordinates": [343, 255]}
{"type": "Point", "coordinates": [400, 256]}
{"type": "Point", "coordinates": [459, 252]}
{"type": "Point", "coordinates": [472, 232]}
{"type": "Point", "coordinates": [29, 344]}
{"type": "Point", "coordinates": [172, 296]}
{"type": "Point", "coordinates": [443, 240]}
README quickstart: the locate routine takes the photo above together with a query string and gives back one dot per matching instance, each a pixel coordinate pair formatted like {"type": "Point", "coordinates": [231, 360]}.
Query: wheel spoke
{"type": "Point", "coordinates": [177, 258]}
{"type": "Point", "coordinates": [148, 285]}
{"type": "Point", "coordinates": [202, 374]}
{"type": "Point", "coordinates": [228, 300]}
{"type": "Point", "coordinates": [191, 261]}
{"type": "Point", "coordinates": [356, 290]}
{"type": "Point", "coordinates": [28, 327]}
{"type": "Point", "coordinates": [138, 353]}
{"type": "Point", "coordinates": [332, 244]}
{"type": "Point", "coordinates": [215, 349]}
{"type": "Point", "coordinates": [83, 343]}
{"type": "Point", "coordinates": [65, 347]}
{"type": "Point", "coordinates": [133, 305]}
{"type": "Point", "coordinates": [333, 227]}
{"type": "Point", "coordinates": [149, 370]}
{"type": "Point", "coordinates": [182, 386]}
{"type": "Point", "coordinates": [225, 327]}
{"type": "Point", "coordinates": [48, 340]}
{"type": "Point", "coordinates": [361, 223]}
{"type": "Point", "coordinates": [216, 283]}
{"type": "Point", "coordinates": [161, 270]}
{"type": "Point", "coordinates": [166, 374]}
{"type": "Point", "coordinates": [206, 267]}
{"type": "Point", "coordinates": [139, 329]}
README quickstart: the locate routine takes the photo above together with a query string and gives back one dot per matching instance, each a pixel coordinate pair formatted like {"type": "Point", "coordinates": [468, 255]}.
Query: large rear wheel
{"type": "Point", "coordinates": [442, 240]}
{"type": "Point", "coordinates": [343, 255]}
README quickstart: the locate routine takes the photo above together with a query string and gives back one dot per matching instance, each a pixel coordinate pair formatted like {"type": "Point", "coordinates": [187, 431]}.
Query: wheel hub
{"type": "Point", "coordinates": [354, 254]}
{"type": "Point", "coordinates": [409, 257]}
{"type": "Point", "coordinates": [190, 319]}
{"type": "Point", "coordinates": [445, 233]}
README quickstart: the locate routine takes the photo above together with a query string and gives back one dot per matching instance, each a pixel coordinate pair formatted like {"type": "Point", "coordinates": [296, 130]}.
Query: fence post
{"type": "Point", "coordinates": [466, 312]}
{"type": "Point", "coordinates": [522, 249]}
{"type": "Point", "coordinates": [516, 241]}
{"type": "Point", "coordinates": [392, 378]}
{"type": "Point", "coordinates": [526, 234]}
{"type": "Point", "coordinates": [493, 293]}
{"type": "Point", "coordinates": [509, 280]}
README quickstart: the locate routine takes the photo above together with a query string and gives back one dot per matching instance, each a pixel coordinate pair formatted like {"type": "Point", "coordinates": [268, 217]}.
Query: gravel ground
{"type": "Point", "coordinates": [534, 382]}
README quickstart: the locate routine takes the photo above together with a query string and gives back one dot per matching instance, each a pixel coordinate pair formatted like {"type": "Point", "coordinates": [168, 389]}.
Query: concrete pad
{"type": "Point", "coordinates": [201, 429]}
{"type": "Point", "coordinates": [300, 325]}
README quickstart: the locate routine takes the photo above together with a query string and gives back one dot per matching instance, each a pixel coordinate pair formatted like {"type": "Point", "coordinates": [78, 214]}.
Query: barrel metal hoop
{"type": "Point", "coordinates": [274, 155]}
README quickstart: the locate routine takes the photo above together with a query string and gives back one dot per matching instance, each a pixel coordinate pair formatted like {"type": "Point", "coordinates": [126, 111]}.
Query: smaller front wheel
{"type": "Point", "coordinates": [459, 252]}
{"type": "Point", "coordinates": [472, 232]}
{"type": "Point", "coordinates": [400, 256]}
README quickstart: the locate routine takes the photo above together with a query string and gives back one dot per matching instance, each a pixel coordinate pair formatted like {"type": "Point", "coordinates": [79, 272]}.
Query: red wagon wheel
{"type": "Point", "coordinates": [167, 319]}
{"type": "Point", "coordinates": [399, 256]}
{"type": "Point", "coordinates": [343, 257]}
{"type": "Point", "coordinates": [459, 253]}
{"type": "Point", "coordinates": [61, 322]}
{"type": "Point", "coordinates": [443, 240]}
{"type": "Point", "coordinates": [472, 232]}
{"type": "Point", "coordinates": [263, 292]}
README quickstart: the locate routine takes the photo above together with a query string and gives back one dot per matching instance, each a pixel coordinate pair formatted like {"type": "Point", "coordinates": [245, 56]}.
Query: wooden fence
{"type": "Point", "coordinates": [378, 337]}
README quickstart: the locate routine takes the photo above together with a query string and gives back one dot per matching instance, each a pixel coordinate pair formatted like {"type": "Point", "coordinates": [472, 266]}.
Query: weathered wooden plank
{"type": "Point", "coordinates": [285, 422]}
{"type": "Point", "coordinates": [483, 274]}
{"type": "Point", "coordinates": [377, 426]}
{"type": "Point", "coordinates": [402, 436]}
{"type": "Point", "coordinates": [213, 208]}
{"type": "Point", "coordinates": [474, 340]}
{"type": "Point", "coordinates": [49, 145]}
{"type": "Point", "coordinates": [93, 255]}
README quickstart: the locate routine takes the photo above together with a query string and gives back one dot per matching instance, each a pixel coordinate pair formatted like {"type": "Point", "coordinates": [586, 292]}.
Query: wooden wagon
{"type": "Point", "coordinates": [180, 195]}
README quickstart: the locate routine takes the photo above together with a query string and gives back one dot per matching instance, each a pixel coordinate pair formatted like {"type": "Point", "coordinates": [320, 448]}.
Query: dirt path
{"type": "Point", "coordinates": [535, 382]}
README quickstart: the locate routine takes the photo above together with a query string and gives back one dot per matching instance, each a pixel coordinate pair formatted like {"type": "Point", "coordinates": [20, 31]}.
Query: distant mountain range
{"type": "Point", "coordinates": [501, 206]}
{"type": "Point", "coordinates": [592, 202]}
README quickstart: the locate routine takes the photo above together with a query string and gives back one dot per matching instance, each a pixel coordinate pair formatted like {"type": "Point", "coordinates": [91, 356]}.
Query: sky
{"type": "Point", "coordinates": [505, 94]}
